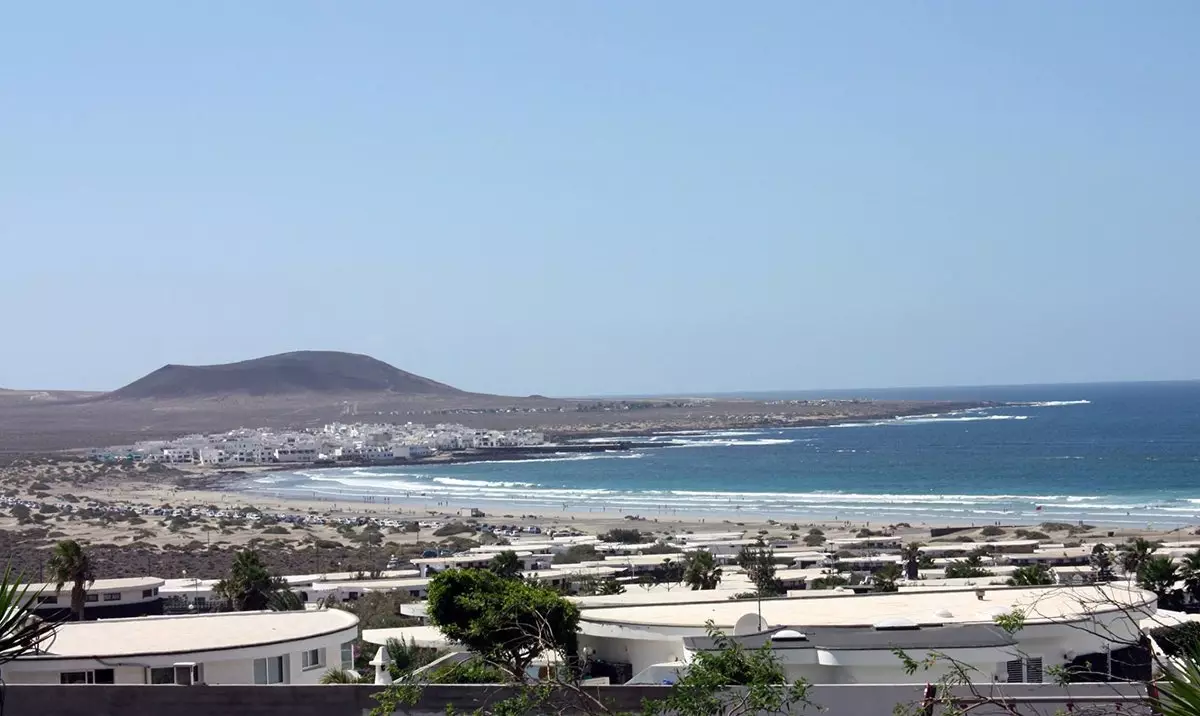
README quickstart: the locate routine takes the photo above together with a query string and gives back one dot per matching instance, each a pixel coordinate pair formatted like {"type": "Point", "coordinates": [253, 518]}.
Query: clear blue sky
{"type": "Point", "coordinates": [604, 197]}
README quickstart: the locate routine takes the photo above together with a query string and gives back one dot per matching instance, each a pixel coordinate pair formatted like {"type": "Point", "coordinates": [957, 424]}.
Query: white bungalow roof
{"type": "Point", "coordinates": [189, 633]}
{"type": "Point", "coordinates": [844, 609]}
{"type": "Point", "coordinates": [104, 585]}
{"type": "Point", "coordinates": [427, 636]}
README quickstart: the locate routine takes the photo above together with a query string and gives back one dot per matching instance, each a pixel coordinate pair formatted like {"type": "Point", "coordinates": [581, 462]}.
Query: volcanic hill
{"type": "Point", "coordinates": [285, 374]}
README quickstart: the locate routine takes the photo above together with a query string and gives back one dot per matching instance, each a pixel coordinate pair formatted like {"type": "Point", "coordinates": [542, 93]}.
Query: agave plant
{"type": "Point", "coordinates": [21, 632]}
{"type": "Point", "coordinates": [342, 676]}
{"type": "Point", "coordinates": [1179, 687]}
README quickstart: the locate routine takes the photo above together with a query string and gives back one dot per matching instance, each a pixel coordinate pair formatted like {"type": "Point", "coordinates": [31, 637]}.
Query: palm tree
{"type": "Point", "coordinates": [506, 564]}
{"type": "Point", "coordinates": [1135, 553]}
{"type": "Point", "coordinates": [885, 578]}
{"type": "Point", "coordinates": [1189, 569]}
{"type": "Point", "coordinates": [20, 631]}
{"type": "Point", "coordinates": [1102, 563]}
{"type": "Point", "coordinates": [701, 570]}
{"type": "Point", "coordinates": [911, 554]}
{"type": "Point", "coordinates": [249, 586]}
{"type": "Point", "coordinates": [1158, 574]}
{"type": "Point", "coordinates": [68, 563]}
{"type": "Point", "coordinates": [1033, 575]}
{"type": "Point", "coordinates": [285, 600]}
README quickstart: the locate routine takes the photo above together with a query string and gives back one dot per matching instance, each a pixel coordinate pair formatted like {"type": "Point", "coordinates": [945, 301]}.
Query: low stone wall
{"type": "Point", "coordinates": [836, 700]}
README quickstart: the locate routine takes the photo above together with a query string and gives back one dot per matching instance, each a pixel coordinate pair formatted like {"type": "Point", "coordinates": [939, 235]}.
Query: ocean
{"type": "Point", "coordinates": [1112, 454]}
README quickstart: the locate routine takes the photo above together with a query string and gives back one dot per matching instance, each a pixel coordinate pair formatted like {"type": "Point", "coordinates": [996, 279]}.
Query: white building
{"type": "Point", "coordinates": [226, 648]}
{"type": "Point", "coordinates": [431, 565]}
{"type": "Point", "coordinates": [836, 637]}
{"type": "Point", "coordinates": [296, 452]}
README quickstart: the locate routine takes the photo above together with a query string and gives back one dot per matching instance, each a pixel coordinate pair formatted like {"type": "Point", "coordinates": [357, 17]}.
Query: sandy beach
{"type": "Point", "coordinates": [127, 544]}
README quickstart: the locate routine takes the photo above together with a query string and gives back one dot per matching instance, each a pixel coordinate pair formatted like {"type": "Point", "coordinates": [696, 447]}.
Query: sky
{"type": "Point", "coordinates": [581, 198]}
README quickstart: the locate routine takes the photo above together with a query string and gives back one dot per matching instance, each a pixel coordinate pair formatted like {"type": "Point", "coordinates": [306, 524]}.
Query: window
{"type": "Point", "coordinates": [47, 600]}
{"type": "Point", "coordinates": [1027, 671]}
{"type": "Point", "coordinates": [162, 675]}
{"type": "Point", "coordinates": [348, 655]}
{"type": "Point", "coordinates": [1033, 669]}
{"type": "Point", "coordinates": [112, 596]}
{"type": "Point", "coordinates": [272, 670]}
{"type": "Point", "coordinates": [92, 598]}
{"type": "Point", "coordinates": [147, 593]}
{"type": "Point", "coordinates": [99, 676]}
{"type": "Point", "coordinates": [313, 659]}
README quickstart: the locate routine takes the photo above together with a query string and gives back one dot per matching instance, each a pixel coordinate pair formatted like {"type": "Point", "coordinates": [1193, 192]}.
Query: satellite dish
{"type": "Point", "coordinates": [749, 624]}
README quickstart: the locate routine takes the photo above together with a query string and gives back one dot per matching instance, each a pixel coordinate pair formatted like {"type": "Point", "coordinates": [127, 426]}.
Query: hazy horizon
{"type": "Point", "coordinates": [577, 199]}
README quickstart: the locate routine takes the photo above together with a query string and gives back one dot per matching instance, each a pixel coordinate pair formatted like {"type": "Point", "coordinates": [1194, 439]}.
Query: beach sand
{"type": "Point", "coordinates": [202, 545]}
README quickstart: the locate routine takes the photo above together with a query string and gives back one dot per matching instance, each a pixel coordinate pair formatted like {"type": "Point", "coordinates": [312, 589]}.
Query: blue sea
{"type": "Point", "coordinates": [1104, 454]}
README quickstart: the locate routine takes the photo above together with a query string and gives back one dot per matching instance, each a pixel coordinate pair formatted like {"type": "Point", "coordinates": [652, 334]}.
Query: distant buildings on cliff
{"type": "Point", "coordinates": [335, 442]}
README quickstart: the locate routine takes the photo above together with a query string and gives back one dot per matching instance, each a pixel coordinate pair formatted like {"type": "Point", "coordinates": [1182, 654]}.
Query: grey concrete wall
{"type": "Point", "coordinates": [847, 700]}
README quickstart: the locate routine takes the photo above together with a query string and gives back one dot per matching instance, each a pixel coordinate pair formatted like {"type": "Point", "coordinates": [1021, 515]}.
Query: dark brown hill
{"type": "Point", "coordinates": [286, 374]}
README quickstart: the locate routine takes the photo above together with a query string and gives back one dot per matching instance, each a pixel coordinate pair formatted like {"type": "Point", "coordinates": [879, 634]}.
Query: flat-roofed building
{"type": "Point", "coordinates": [1052, 557]}
{"type": "Point", "coordinates": [847, 638]}
{"type": "Point", "coordinates": [432, 565]}
{"type": "Point", "coordinates": [293, 647]}
{"type": "Point", "coordinates": [106, 599]}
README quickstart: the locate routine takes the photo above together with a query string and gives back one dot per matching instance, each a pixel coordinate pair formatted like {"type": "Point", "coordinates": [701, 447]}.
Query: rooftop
{"type": "Point", "coordinates": [920, 607]}
{"type": "Point", "coordinates": [105, 585]}
{"type": "Point", "coordinates": [189, 633]}
{"type": "Point", "coordinates": [462, 558]}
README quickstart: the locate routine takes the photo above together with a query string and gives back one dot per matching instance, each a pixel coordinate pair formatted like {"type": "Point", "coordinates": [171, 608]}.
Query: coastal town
{"type": "Point", "coordinates": [332, 443]}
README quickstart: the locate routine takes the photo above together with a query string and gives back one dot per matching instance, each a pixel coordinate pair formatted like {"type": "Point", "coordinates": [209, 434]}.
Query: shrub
{"type": "Point", "coordinates": [991, 531]}
{"type": "Point", "coordinates": [275, 530]}
{"type": "Point", "coordinates": [625, 536]}
{"type": "Point", "coordinates": [411, 527]}
{"type": "Point", "coordinates": [1032, 534]}
{"type": "Point", "coordinates": [964, 538]}
{"type": "Point", "coordinates": [814, 540]}
{"type": "Point", "coordinates": [1057, 526]}
{"type": "Point", "coordinates": [576, 554]}
{"type": "Point", "coordinates": [659, 548]}
{"type": "Point", "coordinates": [452, 528]}
{"type": "Point", "coordinates": [816, 531]}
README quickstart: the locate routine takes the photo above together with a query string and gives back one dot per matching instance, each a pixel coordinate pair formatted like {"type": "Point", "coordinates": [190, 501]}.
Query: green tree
{"type": "Point", "coordinates": [249, 586]}
{"type": "Point", "coordinates": [1159, 574]}
{"type": "Point", "coordinates": [69, 564]}
{"type": "Point", "coordinates": [506, 621]}
{"type": "Point", "coordinates": [911, 554]}
{"type": "Point", "coordinates": [20, 630]}
{"type": "Point", "coordinates": [1102, 563]}
{"type": "Point", "coordinates": [1032, 575]}
{"type": "Point", "coordinates": [884, 579]}
{"type": "Point", "coordinates": [710, 687]}
{"type": "Point", "coordinates": [1135, 553]}
{"type": "Point", "coordinates": [700, 570]}
{"type": "Point", "coordinates": [967, 568]}
{"type": "Point", "coordinates": [506, 564]}
{"type": "Point", "coordinates": [1189, 570]}
{"type": "Point", "coordinates": [759, 565]}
